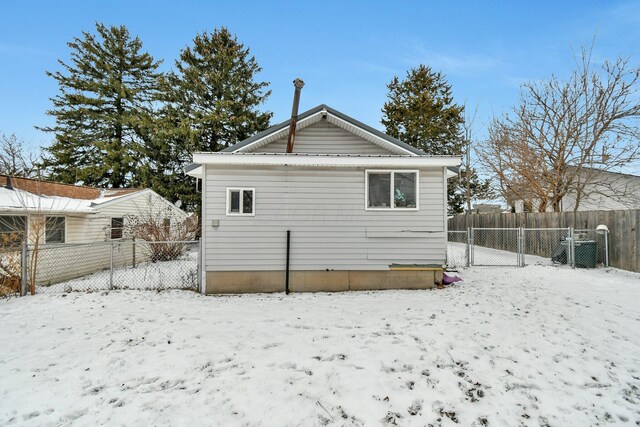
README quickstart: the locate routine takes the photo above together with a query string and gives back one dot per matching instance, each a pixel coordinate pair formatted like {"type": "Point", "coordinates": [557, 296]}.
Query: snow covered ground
{"type": "Point", "coordinates": [539, 345]}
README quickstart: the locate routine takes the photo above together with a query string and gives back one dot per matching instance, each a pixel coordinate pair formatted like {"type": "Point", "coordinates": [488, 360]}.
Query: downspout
{"type": "Point", "coordinates": [298, 84]}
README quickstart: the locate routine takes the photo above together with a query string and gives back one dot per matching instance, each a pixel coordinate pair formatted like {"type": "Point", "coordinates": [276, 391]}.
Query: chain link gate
{"type": "Point", "coordinates": [495, 247]}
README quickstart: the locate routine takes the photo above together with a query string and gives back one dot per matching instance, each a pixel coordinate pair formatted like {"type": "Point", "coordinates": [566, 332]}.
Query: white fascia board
{"type": "Point", "coordinates": [232, 159]}
{"type": "Point", "coordinates": [45, 212]}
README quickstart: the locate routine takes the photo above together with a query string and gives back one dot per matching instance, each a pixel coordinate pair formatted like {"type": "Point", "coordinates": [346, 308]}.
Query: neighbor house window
{"type": "Point", "coordinates": [13, 230]}
{"type": "Point", "coordinates": [241, 201]}
{"type": "Point", "coordinates": [392, 190]}
{"type": "Point", "coordinates": [116, 227]}
{"type": "Point", "coordinates": [54, 229]}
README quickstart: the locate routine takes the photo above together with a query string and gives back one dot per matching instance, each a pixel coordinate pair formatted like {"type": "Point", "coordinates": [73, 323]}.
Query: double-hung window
{"type": "Point", "coordinates": [396, 189]}
{"type": "Point", "coordinates": [13, 230]}
{"type": "Point", "coordinates": [117, 225]}
{"type": "Point", "coordinates": [241, 201]}
{"type": "Point", "coordinates": [54, 229]}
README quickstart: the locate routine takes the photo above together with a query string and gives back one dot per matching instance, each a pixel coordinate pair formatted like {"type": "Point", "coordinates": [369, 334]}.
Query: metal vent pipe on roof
{"type": "Point", "coordinates": [298, 84]}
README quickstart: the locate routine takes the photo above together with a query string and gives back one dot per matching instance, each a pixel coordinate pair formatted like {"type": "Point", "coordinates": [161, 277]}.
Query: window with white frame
{"type": "Point", "coordinates": [54, 229]}
{"type": "Point", "coordinates": [391, 189]}
{"type": "Point", "coordinates": [241, 201]}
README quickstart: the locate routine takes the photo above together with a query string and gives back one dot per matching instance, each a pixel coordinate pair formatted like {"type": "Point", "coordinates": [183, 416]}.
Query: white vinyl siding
{"type": "Point", "coordinates": [325, 138]}
{"type": "Point", "coordinates": [330, 227]}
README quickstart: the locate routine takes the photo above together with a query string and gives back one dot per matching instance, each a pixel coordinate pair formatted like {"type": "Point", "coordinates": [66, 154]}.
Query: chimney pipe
{"type": "Point", "coordinates": [298, 84]}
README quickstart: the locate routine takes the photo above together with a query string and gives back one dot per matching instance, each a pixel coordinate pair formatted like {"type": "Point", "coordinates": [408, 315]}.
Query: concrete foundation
{"type": "Point", "coordinates": [235, 282]}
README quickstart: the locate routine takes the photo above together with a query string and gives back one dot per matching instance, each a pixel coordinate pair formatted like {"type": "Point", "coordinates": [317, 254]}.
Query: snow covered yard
{"type": "Point", "coordinates": [539, 345]}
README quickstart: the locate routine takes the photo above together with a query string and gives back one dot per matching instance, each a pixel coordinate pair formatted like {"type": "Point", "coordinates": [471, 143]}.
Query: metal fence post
{"type": "Point", "coordinates": [468, 247]}
{"type": "Point", "coordinates": [606, 248]}
{"type": "Point", "coordinates": [24, 262]}
{"type": "Point", "coordinates": [111, 267]}
{"type": "Point", "coordinates": [572, 247]}
{"type": "Point", "coordinates": [521, 246]}
{"type": "Point", "coordinates": [471, 243]}
{"type": "Point", "coordinates": [200, 278]}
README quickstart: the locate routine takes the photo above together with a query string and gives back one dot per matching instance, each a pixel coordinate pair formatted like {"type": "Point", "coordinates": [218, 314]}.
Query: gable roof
{"type": "Point", "coordinates": [58, 189]}
{"type": "Point", "coordinates": [33, 195]}
{"type": "Point", "coordinates": [336, 117]}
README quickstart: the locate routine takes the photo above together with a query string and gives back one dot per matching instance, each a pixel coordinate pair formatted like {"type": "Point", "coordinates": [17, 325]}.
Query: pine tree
{"type": "Point", "coordinates": [212, 101]}
{"type": "Point", "coordinates": [421, 112]}
{"type": "Point", "coordinates": [105, 100]}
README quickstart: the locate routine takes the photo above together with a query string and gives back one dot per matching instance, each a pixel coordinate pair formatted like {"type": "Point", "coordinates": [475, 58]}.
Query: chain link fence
{"type": "Point", "coordinates": [527, 246]}
{"type": "Point", "coordinates": [113, 265]}
{"type": "Point", "coordinates": [458, 249]}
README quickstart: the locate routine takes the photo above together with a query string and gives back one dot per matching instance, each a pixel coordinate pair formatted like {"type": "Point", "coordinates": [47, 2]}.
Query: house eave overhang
{"type": "Point", "coordinates": [320, 160]}
{"type": "Point", "coordinates": [20, 210]}
{"type": "Point", "coordinates": [194, 170]}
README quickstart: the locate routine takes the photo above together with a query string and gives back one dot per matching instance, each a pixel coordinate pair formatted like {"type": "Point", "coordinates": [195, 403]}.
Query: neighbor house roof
{"type": "Point", "coordinates": [334, 116]}
{"type": "Point", "coordinates": [34, 195]}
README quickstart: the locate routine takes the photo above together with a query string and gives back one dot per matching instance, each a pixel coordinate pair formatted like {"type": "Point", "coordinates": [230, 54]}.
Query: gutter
{"type": "Point", "coordinates": [332, 161]}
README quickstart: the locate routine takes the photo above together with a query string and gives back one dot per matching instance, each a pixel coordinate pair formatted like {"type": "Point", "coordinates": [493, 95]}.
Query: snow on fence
{"type": "Point", "coordinates": [522, 246]}
{"type": "Point", "coordinates": [121, 264]}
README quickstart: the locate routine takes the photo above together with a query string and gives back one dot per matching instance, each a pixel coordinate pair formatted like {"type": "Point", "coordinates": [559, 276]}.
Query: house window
{"type": "Point", "coordinates": [166, 225]}
{"type": "Point", "coordinates": [54, 229]}
{"type": "Point", "coordinates": [391, 190]}
{"type": "Point", "coordinates": [241, 201]}
{"type": "Point", "coordinates": [116, 227]}
{"type": "Point", "coordinates": [13, 230]}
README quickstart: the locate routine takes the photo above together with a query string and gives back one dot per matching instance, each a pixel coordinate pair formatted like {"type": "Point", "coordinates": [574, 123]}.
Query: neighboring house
{"type": "Point", "coordinates": [69, 222]}
{"type": "Point", "coordinates": [364, 210]}
{"type": "Point", "coordinates": [605, 190]}
{"type": "Point", "coordinates": [73, 214]}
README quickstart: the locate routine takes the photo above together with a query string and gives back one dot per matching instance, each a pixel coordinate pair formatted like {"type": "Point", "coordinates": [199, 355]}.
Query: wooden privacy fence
{"type": "Point", "coordinates": [624, 228]}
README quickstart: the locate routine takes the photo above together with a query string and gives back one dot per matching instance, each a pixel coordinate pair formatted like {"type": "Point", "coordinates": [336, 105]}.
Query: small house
{"type": "Point", "coordinates": [350, 208]}
{"type": "Point", "coordinates": [72, 225]}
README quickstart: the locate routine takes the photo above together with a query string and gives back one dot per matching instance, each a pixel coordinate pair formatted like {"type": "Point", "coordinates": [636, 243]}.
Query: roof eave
{"type": "Point", "coordinates": [233, 159]}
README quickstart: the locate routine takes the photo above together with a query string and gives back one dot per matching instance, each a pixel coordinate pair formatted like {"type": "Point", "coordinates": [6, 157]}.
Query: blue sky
{"type": "Point", "coordinates": [346, 51]}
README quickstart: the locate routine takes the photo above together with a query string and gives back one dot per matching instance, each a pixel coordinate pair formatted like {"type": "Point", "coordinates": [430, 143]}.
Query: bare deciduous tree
{"type": "Point", "coordinates": [16, 159]}
{"type": "Point", "coordinates": [163, 232]}
{"type": "Point", "coordinates": [563, 134]}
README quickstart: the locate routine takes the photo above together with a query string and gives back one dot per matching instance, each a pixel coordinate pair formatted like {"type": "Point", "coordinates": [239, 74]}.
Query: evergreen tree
{"type": "Point", "coordinates": [105, 100]}
{"type": "Point", "coordinates": [212, 101]}
{"type": "Point", "coordinates": [421, 112]}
